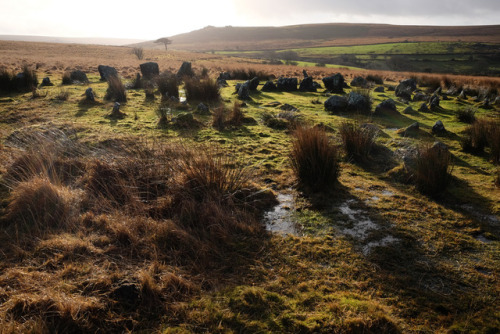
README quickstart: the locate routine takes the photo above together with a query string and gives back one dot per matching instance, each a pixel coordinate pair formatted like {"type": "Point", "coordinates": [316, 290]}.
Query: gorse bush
{"type": "Point", "coordinates": [357, 141]}
{"type": "Point", "coordinates": [201, 90]}
{"type": "Point", "coordinates": [116, 90]}
{"type": "Point", "coordinates": [314, 159]}
{"type": "Point", "coordinates": [433, 169]}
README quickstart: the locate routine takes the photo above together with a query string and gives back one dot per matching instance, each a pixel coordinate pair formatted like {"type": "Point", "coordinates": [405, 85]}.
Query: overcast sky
{"type": "Point", "coordinates": [150, 19]}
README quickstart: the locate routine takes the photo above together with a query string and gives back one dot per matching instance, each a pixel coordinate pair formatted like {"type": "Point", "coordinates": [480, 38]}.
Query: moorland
{"type": "Point", "coordinates": [193, 208]}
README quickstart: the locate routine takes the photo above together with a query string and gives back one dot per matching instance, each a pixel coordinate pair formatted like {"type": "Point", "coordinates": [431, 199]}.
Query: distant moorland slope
{"type": "Point", "coordinates": [316, 35]}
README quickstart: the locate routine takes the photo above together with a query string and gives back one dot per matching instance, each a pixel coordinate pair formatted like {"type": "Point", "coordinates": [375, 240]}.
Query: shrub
{"type": "Point", "coordinates": [116, 90]}
{"type": "Point", "coordinates": [467, 115]}
{"type": "Point", "coordinates": [476, 136]}
{"type": "Point", "coordinates": [314, 159]}
{"type": "Point", "coordinates": [357, 141]}
{"type": "Point", "coordinates": [201, 90]}
{"type": "Point", "coordinates": [219, 118]}
{"type": "Point", "coordinates": [138, 52]}
{"type": "Point", "coordinates": [375, 79]}
{"type": "Point", "coordinates": [433, 169]}
{"type": "Point", "coordinates": [168, 85]}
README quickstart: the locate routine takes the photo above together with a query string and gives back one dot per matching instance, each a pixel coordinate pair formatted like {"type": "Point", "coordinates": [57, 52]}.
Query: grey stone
{"type": "Point", "coordinates": [434, 102]}
{"type": "Point", "coordinates": [408, 110]}
{"type": "Point", "coordinates": [203, 109]}
{"type": "Point", "coordinates": [406, 88]}
{"type": "Point", "coordinates": [106, 72]}
{"type": "Point", "coordinates": [244, 91]}
{"type": "Point", "coordinates": [358, 102]}
{"type": "Point", "coordinates": [269, 87]}
{"type": "Point", "coordinates": [359, 82]}
{"type": "Point", "coordinates": [90, 96]}
{"type": "Point", "coordinates": [46, 82]}
{"type": "Point", "coordinates": [287, 84]}
{"type": "Point", "coordinates": [334, 83]}
{"type": "Point", "coordinates": [386, 105]}
{"type": "Point", "coordinates": [419, 96]}
{"type": "Point", "coordinates": [307, 85]}
{"type": "Point", "coordinates": [185, 70]}
{"type": "Point", "coordinates": [379, 89]}
{"type": "Point", "coordinates": [224, 76]}
{"type": "Point", "coordinates": [423, 108]}
{"type": "Point", "coordinates": [438, 128]}
{"type": "Point", "coordinates": [149, 70]}
{"type": "Point", "coordinates": [336, 103]}
{"type": "Point", "coordinates": [253, 84]}
{"type": "Point", "coordinates": [462, 95]}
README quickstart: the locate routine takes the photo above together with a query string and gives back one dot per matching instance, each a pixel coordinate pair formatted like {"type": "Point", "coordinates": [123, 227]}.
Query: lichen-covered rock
{"type": "Point", "coordinates": [379, 89]}
{"type": "Point", "coordinates": [89, 95]}
{"type": "Point", "coordinates": [438, 128]}
{"type": "Point", "coordinates": [406, 88]}
{"type": "Point", "coordinates": [287, 84]}
{"type": "Point", "coordinates": [253, 84]}
{"type": "Point", "coordinates": [358, 102]}
{"type": "Point", "coordinates": [46, 82]}
{"type": "Point", "coordinates": [336, 103]}
{"type": "Point", "coordinates": [307, 85]}
{"type": "Point", "coordinates": [359, 82]}
{"type": "Point", "coordinates": [334, 83]}
{"type": "Point", "coordinates": [386, 105]}
{"type": "Point", "coordinates": [244, 91]}
{"type": "Point", "coordinates": [269, 87]}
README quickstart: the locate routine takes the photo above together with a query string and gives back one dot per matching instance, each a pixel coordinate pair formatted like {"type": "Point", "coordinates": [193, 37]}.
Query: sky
{"type": "Point", "coordinates": [151, 19]}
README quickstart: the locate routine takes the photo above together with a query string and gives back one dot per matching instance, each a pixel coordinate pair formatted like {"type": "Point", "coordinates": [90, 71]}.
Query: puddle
{"type": "Point", "coordinates": [362, 228]}
{"type": "Point", "coordinates": [280, 220]}
{"type": "Point", "coordinates": [362, 224]}
{"type": "Point", "coordinates": [387, 193]}
{"type": "Point", "coordinates": [381, 243]}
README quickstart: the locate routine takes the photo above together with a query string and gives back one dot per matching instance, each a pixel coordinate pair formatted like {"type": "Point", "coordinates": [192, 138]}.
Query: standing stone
{"type": "Point", "coordinates": [287, 84]}
{"type": "Point", "coordinates": [149, 70]}
{"type": "Point", "coordinates": [434, 102]}
{"type": "Point", "coordinates": [253, 84]}
{"type": "Point", "coordinates": [244, 91]}
{"type": "Point", "coordinates": [386, 105]}
{"type": "Point", "coordinates": [46, 82]}
{"type": "Point", "coordinates": [89, 95]}
{"type": "Point", "coordinates": [359, 82]}
{"type": "Point", "coordinates": [185, 70]}
{"type": "Point", "coordinates": [379, 89]}
{"type": "Point", "coordinates": [307, 85]}
{"type": "Point", "coordinates": [405, 88]}
{"type": "Point", "coordinates": [438, 128]}
{"type": "Point", "coordinates": [334, 83]}
{"type": "Point", "coordinates": [358, 102]}
{"type": "Point", "coordinates": [106, 72]}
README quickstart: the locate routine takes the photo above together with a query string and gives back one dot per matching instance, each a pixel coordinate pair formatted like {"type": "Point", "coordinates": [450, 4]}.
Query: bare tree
{"type": "Point", "coordinates": [139, 52]}
{"type": "Point", "coordinates": [165, 41]}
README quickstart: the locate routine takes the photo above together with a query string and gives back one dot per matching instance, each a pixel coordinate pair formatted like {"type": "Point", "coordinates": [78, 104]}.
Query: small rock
{"type": "Point", "coordinates": [419, 96]}
{"type": "Point", "coordinates": [269, 87]}
{"type": "Point", "coordinates": [287, 84]}
{"type": "Point", "coordinates": [358, 102]}
{"type": "Point", "coordinates": [406, 88]}
{"type": "Point", "coordinates": [434, 102]}
{"type": "Point", "coordinates": [412, 129]}
{"type": "Point", "coordinates": [203, 109]}
{"type": "Point", "coordinates": [90, 96]}
{"type": "Point", "coordinates": [462, 95]}
{"type": "Point", "coordinates": [408, 110]}
{"type": "Point", "coordinates": [386, 105]}
{"type": "Point", "coordinates": [438, 128]}
{"type": "Point", "coordinates": [79, 76]}
{"type": "Point", "coordinates": [423, 108]}
{"type": "Point", "coordinates": [439, 146]}
{"type": "Point", "coordinates": [379, 89]}
{"type": "Point", "coordinates": [307, 85]}
{"type": "Point", "coordinates": [46, 82]}
{"type": "Point", "coordinates": [244, 91]}
{"type": "Point", "coordinates": [222, 83]}
{"type": "Point", "coordinates": [359, 82]}
{"type": "Point", "coordinates": [224, 76]}
{"type": "Point", "coordinates": [288, 107]}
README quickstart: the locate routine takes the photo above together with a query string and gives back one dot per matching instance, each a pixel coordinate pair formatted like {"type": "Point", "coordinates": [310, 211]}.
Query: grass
{"type": "Point", "coordinates": [314, 159]}
{"type": "Point", "coordinates": [116, 90]}
{"type": "Point", "coordinates": [201, 90]}
{"type": "Point", "coordinates": [467, 115]}
{"type": "Point", "coordinates": [357, 141]}
{"type": "Point", "coordinates": [433, 169]}
{"type": "Point", "coordinates": [168, 85]}
{"type": "Point", "coordinates": [158, 239]}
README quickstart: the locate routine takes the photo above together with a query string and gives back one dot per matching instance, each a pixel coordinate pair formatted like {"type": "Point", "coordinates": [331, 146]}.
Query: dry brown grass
{"type": "Point", "coordinates": [114, 244]}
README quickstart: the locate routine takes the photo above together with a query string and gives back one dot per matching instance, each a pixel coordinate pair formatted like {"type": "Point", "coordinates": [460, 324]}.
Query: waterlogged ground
{"type": "Point", "coordinates": [372, 255]}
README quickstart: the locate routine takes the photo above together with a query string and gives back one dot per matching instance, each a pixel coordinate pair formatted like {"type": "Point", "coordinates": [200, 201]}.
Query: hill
{"type": "Point", "coordinates": [72, 40]}
{"type": "Point", "coordinates": [317, 35]}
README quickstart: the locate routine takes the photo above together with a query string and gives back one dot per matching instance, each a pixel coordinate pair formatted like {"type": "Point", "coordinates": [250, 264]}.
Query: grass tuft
{"type": "Point", "coordinates": [433, 169]}
{"type": "Point", "coordinates": [314, 159]}
{"type": "Point", "coordinates": [201, 90]}
{"type": "Point", "coordinates": [467, 115]}
{"type": "Point", "coordinates": [116, 90]}
{"type": "Point", "coordinates": [357, 141]}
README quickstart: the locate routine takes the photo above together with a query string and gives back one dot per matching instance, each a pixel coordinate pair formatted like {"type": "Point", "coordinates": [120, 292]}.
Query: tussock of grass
{"type": "Point", "coordinates": [168, 85]}
{"type": "Point", "coordinates": [433, 169]}
{"type": "Point", "coordinates": [116, 90]}
{"type": "Point", "coordinates": [467, 115]}
{"type": "Point", "coordinates": [201, 90]}
{"type": "Point", "coordinates": [357, 141]}
{"type": "Point", "coordinates": [314, 159]}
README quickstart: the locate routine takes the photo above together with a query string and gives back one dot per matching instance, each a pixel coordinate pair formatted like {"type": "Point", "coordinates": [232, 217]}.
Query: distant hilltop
{"type": "Point", "coordinates": [71, 40]}
{"type": "Point", "coordinates": [317, 35]}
